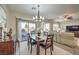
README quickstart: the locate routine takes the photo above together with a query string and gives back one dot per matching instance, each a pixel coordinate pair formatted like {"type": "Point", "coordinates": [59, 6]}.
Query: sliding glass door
{"type": "Point", "coordinates": [23, 28]}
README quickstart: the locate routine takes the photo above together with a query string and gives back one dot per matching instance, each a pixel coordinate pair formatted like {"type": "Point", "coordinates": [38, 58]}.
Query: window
{"type": "Point", "coordinates": [31, 27]}
{"type": "Point", "coordinates": [56, 27]}
{"type": "Point", "coordinates": [46, 27]}
{"type": "Point", "coordinates": [24, 26]}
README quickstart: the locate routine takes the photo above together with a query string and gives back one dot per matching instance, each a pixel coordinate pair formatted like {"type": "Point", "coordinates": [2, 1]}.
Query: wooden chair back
{"type": "Point", "coordinates": [49, 41]}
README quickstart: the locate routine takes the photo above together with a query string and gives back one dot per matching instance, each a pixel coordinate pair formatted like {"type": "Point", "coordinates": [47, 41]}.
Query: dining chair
{"type": "Point", "coordinates": [31, 42]}
{"type": "Point", "coordinates": [48, 43]}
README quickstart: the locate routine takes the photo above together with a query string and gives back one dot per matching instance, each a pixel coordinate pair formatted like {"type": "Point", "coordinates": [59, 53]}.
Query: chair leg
{"type": "Point", "coordinates": [45, 52]}
{"type": "Point", "coordinates": [51, 50]}
{"type": "Point", "coordinates": [31, 49]}
{"type": "Point", "coordinates": [28, 43]}
{"type": "Point", "coordinates": [28, 47]}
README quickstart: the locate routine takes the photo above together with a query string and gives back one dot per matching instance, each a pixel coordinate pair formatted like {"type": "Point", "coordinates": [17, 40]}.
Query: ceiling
{"type": "Point", "coordinates": [49, 11]}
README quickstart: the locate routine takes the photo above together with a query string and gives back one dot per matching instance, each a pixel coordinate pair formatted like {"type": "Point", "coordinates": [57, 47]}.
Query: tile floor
{"type": "Point", "coordinates": [23, 50]}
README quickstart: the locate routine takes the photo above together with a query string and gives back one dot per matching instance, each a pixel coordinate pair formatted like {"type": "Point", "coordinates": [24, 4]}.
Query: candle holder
{"type": "Point", "coordinates": [39, 33]}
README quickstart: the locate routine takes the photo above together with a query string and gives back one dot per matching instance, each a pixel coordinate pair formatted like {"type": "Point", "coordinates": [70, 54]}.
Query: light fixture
{"type": "Point", "coordinates": [38, 17]}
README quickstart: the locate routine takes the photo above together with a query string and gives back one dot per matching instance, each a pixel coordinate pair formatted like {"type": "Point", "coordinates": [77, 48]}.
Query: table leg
{"type": "Point", "coordinates": [38, 47]}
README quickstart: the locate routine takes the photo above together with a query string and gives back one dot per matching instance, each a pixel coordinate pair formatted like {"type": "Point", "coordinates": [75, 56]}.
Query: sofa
{"type": "Point", "coordinates": [67, 38]}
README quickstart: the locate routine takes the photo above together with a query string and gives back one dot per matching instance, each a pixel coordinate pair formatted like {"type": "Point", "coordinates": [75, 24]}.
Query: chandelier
{"type": "Point", "coordinates": [38, 17]}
